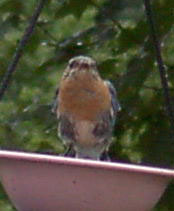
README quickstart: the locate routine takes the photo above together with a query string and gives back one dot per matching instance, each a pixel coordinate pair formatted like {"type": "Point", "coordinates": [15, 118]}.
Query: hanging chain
{"type": "Point", "coordinates": [161, 67]}
{"type": "Point", "coordinates": [27, 34]}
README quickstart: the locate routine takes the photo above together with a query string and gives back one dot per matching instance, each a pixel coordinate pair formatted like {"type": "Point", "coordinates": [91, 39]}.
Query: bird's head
{"type": "Point", "coordinates": [80, 64]}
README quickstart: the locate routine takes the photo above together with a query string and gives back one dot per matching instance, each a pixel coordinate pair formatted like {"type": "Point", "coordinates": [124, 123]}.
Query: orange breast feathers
{"type": "Point", "coordinates": [84, 97]}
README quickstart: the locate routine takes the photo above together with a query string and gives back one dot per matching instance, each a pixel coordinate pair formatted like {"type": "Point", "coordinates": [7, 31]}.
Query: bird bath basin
{"type": "Point", "coordinates": [52, 183]}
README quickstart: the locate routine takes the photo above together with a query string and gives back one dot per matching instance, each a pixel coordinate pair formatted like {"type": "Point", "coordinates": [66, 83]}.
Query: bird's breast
{"type": "Point", "coordinates": [84, 97]}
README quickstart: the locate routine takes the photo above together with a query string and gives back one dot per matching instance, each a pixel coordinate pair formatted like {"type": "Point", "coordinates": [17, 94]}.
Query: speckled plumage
{"type": "Point", "coordinates": [86, 107]}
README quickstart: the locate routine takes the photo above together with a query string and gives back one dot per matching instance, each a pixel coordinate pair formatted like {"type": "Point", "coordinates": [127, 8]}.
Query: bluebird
{"type": "Point", "coordinates": [86, 107]}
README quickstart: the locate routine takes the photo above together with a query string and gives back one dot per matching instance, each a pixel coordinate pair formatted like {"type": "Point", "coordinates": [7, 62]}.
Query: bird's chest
{"type": "Point", "coordinates": [84, 97]}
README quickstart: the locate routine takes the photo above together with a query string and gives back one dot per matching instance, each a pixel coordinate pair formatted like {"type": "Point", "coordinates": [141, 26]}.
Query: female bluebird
{"type": "Point", "coordinates": [86, 107]}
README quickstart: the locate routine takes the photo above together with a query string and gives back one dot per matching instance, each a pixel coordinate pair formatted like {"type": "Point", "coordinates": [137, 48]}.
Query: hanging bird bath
{"type": "Point", "coordinates": [51, 183]}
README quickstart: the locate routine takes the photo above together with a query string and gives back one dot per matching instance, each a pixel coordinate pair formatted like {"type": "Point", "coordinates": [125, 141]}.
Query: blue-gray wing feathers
{"type": "Point", "coordinates": [55, 102]}
{"type": "Point", "coordinates": [114, 101]}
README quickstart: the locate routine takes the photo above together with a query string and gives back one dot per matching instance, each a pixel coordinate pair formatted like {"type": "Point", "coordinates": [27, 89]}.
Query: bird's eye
{"type": "Point", "coordinates": [73, 64]}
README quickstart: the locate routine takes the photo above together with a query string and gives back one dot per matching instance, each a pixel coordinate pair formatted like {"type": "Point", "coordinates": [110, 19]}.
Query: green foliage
{"type": "Point", "coordinates": [116, 34]}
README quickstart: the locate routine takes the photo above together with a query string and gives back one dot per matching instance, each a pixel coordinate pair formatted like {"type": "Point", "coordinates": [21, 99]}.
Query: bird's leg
{"type": "Point", "coordinates": [69, 152]}
{"type": "Point", "coordinates": [105, 156]}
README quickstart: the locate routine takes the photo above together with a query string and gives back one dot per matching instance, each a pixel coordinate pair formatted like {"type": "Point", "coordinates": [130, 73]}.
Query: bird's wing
{"type": "Point", "coordinates": [114, 101]}
{"type": "Point", "coordinates": [56, 102]}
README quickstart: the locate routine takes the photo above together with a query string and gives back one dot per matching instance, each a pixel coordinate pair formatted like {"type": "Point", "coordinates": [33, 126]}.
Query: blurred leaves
{"type": "Point", "coordinates": [116, 34]}
{"type": "Point", "coordinates": [73, 7]}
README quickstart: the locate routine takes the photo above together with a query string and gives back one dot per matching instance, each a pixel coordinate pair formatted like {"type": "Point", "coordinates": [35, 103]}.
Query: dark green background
{"type": "Point", "coordinates": [116, 34]}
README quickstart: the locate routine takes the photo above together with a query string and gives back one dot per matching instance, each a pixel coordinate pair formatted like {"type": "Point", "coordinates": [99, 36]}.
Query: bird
{"type": "Point", "coordinates": [86, 107]}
